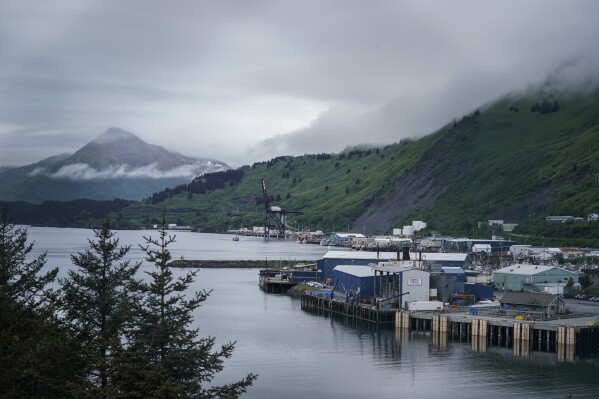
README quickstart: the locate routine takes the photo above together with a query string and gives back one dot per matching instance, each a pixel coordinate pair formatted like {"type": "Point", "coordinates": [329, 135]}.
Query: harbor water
{"type": "Point", "coordinates": [302, 355]}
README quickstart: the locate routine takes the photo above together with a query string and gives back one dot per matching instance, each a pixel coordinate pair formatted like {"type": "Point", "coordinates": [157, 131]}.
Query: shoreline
{"type": "Point", "coordinates": [229, 264]}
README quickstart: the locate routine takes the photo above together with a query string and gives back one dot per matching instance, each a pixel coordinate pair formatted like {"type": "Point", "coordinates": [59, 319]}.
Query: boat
{"type": "Point", "coordinates": [236, 238]}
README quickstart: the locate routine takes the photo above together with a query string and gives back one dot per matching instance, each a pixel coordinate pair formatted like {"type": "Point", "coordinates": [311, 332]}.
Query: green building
{"type": "Point", "coordinates": [531, 278]}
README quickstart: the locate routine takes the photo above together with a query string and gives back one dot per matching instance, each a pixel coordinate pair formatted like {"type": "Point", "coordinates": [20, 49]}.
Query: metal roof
{"type": "Point", "coordinates": [426, 256]}
{"type": "Point", "coordinates": [350, 235]}
{"type": "Point", "coordinates": [440, 256]}
{"type": "Point", "coordinates": [358, 271]}
{"type": "Point", "coordinates": [359, 255]}
{"type": "Point", "coordinates": [453, 270]}
{"type": "Point", "coordinates": [528, 298]}
{"type": "Point", "coordinates": [528, 270]}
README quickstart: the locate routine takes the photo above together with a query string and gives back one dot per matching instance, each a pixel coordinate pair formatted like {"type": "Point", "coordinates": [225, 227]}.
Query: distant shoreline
{"type": "Point", "coordinates": [232, 264]}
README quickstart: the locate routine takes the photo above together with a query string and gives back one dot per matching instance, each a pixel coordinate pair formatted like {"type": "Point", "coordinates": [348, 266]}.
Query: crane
{"type": "Point", "coordinates": [274, 214]}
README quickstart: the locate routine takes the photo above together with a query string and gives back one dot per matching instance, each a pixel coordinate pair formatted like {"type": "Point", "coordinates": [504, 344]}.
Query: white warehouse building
{"type": "Point", "coordinates": [400, 284]}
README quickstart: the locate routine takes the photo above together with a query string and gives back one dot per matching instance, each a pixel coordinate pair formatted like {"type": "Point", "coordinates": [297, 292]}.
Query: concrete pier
{"type": "Point", "coordinates": [566, 337]}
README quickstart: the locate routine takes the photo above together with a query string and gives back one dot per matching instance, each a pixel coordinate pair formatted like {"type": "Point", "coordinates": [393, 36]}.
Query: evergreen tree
{"type": "Point", "coordinates": [569, 284]}
{"type": "Point", "coordinates": [164, 340]}
{"type": "Point", "coordinates": [546, 107]}
{"type": "Point", "coordinates": [36, 357]}
{"type": "Point", "coordinates": [20, 281]}
{"type": "Point", "coordinates": [96, 300]}
{"type": "Point", "coordinates": [585, 282]}
{"type": "Point", "coordinates": [555, 106]}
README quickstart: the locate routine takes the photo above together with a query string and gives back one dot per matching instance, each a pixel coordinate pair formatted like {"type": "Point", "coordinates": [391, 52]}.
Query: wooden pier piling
{"type": "Point", "coordinates": [356, 312]}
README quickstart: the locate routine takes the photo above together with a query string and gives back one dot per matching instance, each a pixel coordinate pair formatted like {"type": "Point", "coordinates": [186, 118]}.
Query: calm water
{"type": "Point", "coordinates": [301, 355]}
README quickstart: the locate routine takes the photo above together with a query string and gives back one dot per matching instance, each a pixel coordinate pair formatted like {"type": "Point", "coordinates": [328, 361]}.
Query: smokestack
{"type": "Point", "coordinates": [406, 253]}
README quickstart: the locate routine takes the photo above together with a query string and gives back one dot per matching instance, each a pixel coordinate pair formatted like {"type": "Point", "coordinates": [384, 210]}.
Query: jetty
{"type": "Point", "coordinates": [223, 264]}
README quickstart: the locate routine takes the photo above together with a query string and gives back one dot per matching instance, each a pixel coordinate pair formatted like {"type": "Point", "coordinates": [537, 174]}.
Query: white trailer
{"type": "Point", "coordinates": [424, 305]}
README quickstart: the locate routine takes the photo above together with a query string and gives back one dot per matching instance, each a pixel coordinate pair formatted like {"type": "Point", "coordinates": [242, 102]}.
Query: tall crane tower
{"type": "Point", "coordinates": [274, 216]}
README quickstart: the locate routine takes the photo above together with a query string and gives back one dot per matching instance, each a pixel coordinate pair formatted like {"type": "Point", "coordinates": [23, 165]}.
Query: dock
{"type": "Point", "coordinates": [570, 336]}
{"type": "Point", "coordinates": [359, 312]}
{"type": "Point", "coordinates": [275, 282]}
{"type": "Point", "coordinates": [276, 286]}
{"type": "Point", "coordinates": [567, 337]}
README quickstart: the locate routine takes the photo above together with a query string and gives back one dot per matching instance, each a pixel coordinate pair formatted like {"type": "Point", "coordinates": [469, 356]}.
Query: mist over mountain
{"type": "Point", "coordinates": [116, 164]}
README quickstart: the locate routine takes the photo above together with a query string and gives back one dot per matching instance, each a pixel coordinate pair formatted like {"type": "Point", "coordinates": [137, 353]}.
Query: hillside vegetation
{"type": "Point", "coordinates": [519, 159]}
{"type": "Point", "coordinates": [331, 189]}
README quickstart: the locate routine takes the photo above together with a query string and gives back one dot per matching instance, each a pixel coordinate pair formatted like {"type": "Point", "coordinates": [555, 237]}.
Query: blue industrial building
{"type": "Point", "coordinates": [432, 262]}
{"type": "Point", "coordinates": [479, 291]}
{"type": "Point", "coordinates": [351, 258]}
{"type": "Point", "coordinates": [356, 279]}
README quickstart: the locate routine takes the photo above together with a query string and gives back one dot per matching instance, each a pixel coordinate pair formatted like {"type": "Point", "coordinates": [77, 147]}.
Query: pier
{"type": "Point", "coordinates": [577, 335]}
{"type": "Point", "coordinates": [569, 337]}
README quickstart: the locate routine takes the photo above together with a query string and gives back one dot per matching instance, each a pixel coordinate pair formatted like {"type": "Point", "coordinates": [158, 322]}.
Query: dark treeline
{"type": "Point", "coordinates": [203, 184]}
{"type": "Point", "coordinates": [546, 107]}
{"type": "Point", "coordinates": [101, 332]}
{"type": "Point", "coordinates": [62, 213]}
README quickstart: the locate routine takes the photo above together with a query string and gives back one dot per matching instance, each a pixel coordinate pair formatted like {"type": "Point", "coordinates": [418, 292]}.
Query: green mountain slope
{"type": "Point", "coordinates": [331, 190]}
{"type": "Point", "coordinates": [500, 162]}
{"type": "Point", "coordinates": [516, 166]}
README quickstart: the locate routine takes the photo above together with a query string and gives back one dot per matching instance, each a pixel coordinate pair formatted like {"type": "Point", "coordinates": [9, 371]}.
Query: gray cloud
{"type": "Point", "coordinates": [245, 81]}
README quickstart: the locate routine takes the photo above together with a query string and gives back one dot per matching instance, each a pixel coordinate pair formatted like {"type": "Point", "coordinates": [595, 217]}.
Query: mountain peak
{"type": "Point", "coordinates": [115, 134]}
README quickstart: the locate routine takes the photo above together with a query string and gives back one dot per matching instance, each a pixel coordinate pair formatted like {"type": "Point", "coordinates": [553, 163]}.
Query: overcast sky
{"type": "Point", "coordinates": [248, 80]}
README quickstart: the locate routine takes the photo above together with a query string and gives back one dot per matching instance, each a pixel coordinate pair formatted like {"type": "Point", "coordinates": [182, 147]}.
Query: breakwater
{"type": "Point", "coordinates": [231, 264]}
